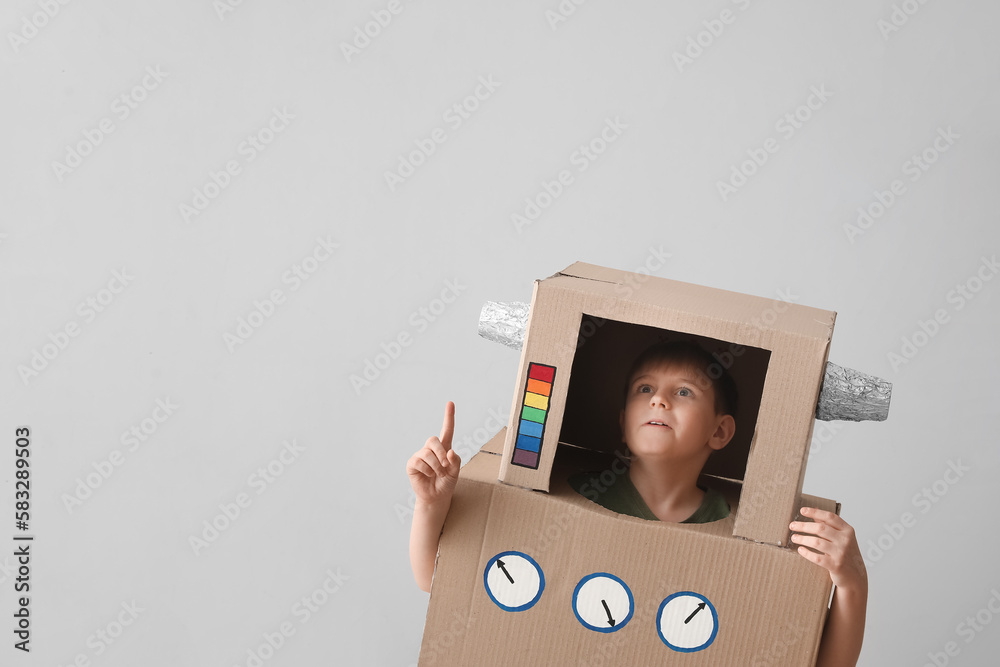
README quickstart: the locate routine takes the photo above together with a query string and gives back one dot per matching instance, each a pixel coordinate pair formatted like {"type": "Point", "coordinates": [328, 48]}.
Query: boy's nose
{"type": "Point", "coordinates": [656, 399]}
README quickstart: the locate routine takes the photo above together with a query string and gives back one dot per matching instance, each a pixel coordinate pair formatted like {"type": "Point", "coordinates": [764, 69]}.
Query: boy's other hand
{"type": "Point", "coordinates": [837, 545]}
{"type": "Point", "coordinates": [433, 471]}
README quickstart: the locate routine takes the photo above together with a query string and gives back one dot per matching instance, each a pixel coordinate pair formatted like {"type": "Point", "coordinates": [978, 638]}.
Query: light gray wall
{"type": "Point", "coordinates": [339, 503]}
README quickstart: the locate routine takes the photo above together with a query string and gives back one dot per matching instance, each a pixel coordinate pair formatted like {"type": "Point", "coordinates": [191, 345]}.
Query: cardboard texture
{"type": "Point", "coordinates": [530, 572]}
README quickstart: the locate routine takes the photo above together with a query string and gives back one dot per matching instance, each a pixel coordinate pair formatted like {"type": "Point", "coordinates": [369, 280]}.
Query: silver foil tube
{"type": "Point", "coordinates": [846, 394]}
{"type": "Point", "coordinates": [504, 322]}
{"type": "Point", "coordinates": [850, 395]}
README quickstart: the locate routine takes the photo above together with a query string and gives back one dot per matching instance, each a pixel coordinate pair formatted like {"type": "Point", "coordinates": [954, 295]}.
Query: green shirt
{"type": "Point", "coordinates": [622, 497]}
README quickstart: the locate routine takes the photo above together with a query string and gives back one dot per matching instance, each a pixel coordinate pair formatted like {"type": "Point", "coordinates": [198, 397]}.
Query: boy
{"type": "Point", "coordinates": [675, 416]}
{"type": "Point", "coordinates": [669, 442]}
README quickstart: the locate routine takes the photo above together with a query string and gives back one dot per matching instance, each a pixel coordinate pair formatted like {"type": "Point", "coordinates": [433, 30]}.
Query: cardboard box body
{"type": "Point", "coordinates": [530, 572]}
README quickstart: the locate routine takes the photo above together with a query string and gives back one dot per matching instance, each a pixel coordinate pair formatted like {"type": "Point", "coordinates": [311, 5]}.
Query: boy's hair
{"type": "Point", "coordinates": [690, 354]}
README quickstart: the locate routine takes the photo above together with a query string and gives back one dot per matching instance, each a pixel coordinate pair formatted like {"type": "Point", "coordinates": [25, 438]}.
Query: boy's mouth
{"type": "Point", "coordinates": [656, 423]}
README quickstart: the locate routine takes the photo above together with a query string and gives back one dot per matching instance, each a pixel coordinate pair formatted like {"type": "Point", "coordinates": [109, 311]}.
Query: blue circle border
{"type": "Point", "coordinates": [715, 618]}
{"type": "Point", "coordinates": [541, 580]}
{"type": "Point", "coordinates": [631, 603]}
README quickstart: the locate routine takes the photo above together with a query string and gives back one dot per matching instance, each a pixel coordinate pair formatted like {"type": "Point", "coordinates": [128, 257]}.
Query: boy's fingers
{"type": "Point", "coordinates": [811, 527]}
{"type": "Point", "coordinates": [439, 451]}
{"type": "Point", "coordinates": [817, 514]}
{"type": "Point", "coordinates": [430, 459]}
{"type": "Point", "coordinates": [454, 462]}
{"type": "Point", "coordinates": [811, 556]}
{"type": "Point", "coordinates": [817, 543]}
{"type": "Point", "coordinates": [448, 427]}
{"type": "Point", "coordinates": [421, 467]}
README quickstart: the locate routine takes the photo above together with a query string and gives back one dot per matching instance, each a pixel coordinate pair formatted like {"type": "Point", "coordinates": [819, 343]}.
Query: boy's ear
{"type": "Point", "coordinates": [724, 432]}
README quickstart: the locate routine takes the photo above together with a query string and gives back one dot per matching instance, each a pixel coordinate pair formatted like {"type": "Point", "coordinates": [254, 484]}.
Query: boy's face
{"type": "Point", "coordinates": [680, 398]}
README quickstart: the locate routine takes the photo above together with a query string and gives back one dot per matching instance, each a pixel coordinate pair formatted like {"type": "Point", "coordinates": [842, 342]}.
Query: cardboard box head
{"type": "Point", "coordinates": [531, 572]}
{"type": "Point", "coordinates": [588, 323]}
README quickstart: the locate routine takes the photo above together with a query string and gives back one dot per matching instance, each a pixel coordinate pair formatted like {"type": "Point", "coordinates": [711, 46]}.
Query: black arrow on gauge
{"type": "Point", "coordinates": [611, 621]}
{"type": "Point", "coordinates": [500, 565]}
{"type": "Point", "coordinates": [699, 608]}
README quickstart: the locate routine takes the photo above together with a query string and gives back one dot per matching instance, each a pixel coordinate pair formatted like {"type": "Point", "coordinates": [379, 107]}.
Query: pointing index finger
{"type": "Point", "coordinates": [448, 427]}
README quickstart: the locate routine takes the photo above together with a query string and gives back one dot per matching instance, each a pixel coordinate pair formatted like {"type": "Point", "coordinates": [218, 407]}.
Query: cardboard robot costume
{"type": "Point", "coordinates": [529, 572]}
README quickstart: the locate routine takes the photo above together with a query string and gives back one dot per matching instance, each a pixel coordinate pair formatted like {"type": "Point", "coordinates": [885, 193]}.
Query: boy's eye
{"type": "Point", "coordinates": [643, 387]}
{"type": "Point", "coordinates": [684, 391]}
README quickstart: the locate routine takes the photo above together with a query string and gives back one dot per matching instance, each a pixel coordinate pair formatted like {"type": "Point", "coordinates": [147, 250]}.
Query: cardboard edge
{"type": "Point", "coordinates": [580, 269]}
{"type": "Point", "coordinates": [459, 526]}
{"type": "Point", "coordinates": [519, 383]}
{"type": "Point", "coordinates": [496, 443]}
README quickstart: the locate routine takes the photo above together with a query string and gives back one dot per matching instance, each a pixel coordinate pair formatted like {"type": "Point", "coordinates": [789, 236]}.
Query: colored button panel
{"type": "Point", "coordinates": [534, 413]}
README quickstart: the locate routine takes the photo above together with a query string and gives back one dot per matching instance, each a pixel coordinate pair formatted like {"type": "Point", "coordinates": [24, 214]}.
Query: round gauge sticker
{"type": "Point", "coordinates": [513, 580]}
{"type": "Point", "coordinates": [687, 622]}
{"type": "Point", "coordinates": [602, 602]}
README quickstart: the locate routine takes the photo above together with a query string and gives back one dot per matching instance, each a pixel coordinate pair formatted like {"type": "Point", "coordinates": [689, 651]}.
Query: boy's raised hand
{"type": "Point", "coordinates": [837, 545]}
{"type": "Point", "coordinates": [433, 470]}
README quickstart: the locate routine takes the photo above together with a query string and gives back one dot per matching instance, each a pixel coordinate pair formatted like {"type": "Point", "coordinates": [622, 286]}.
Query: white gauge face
{"type": "Point", "coordinates": [602, 602]}
{"type": "Point", "coordinates": [513, 580]}
{"type": "Point", "coordinates": [687, 622]}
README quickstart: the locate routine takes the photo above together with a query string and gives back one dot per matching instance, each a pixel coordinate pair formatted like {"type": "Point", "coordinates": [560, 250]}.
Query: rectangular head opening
{"type": "Point", "coordinates": [605, 351]}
